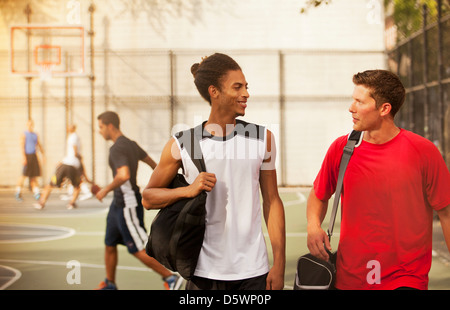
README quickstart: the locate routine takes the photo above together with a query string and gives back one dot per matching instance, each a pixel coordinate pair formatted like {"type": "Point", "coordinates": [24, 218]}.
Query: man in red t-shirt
{"type": "Point", "coordinates": [394, 181]}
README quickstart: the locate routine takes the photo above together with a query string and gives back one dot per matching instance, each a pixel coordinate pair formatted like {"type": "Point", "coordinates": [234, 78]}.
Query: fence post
{"type": "Point", "coordinates": [172, 90]}
{"type": "Point", "coordinates": [29, 79]}
{"type": "Point", "coordinates": [411, 99]}
{"type": "Point", "coordinates": [441, 105]}
{"type": "Point", "coordinates": [92, 79]}
{"type": "Point", "coordinates": [426, 109]}
{"type": "Point", "coordinates": [282, 99]}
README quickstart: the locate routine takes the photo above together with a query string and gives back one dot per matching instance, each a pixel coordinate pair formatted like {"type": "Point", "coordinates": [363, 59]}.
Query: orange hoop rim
{"type": "Point", "coordinates": [47, 47]}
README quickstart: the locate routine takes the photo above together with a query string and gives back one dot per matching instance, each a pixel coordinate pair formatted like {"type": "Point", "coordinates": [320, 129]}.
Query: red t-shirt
{"type": "Point", "coordinates": [388, 197]}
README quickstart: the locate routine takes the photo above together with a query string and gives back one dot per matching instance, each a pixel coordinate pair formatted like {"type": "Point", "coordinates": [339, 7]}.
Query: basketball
{"type": "Point", "coordinates": [95, 189]}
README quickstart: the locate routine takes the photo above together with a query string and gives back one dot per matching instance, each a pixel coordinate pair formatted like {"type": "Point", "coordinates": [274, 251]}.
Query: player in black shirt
{"type": "Point", "coordinates": [125, 221]}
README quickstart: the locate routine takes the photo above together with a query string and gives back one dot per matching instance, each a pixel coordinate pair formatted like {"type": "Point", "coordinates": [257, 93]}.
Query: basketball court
{"type": "Point", "coordinates": [60, 249]}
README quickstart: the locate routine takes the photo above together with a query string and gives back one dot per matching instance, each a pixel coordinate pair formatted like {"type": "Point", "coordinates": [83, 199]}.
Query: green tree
{"type": "Point", "coordinates": [407, 14]}
{"type": "Point", "coordinates": [313, 3]}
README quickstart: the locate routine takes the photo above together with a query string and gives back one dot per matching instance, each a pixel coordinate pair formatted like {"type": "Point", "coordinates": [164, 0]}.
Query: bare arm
{"type": "Point", "coordinates": [317, 237]}
{"type": "Point", "coordinates": [157, 195]}
{"type": "Point", "coordinates": [275, 220]}
{"type": "Point", "coordinates": [75, 151]}
{"type": "Point", "coordinates": [444, 217]}
{"type": "Point", "coordinates": [122, 175]}
{"type": "Point", "coordinates": [41, 149]}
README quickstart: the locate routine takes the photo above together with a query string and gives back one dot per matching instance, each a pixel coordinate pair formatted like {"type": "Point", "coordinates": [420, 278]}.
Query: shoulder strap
{"type": "Point", "coordinates": [354, 139]}
{"type": "Point", "coordinates": [189, 139]}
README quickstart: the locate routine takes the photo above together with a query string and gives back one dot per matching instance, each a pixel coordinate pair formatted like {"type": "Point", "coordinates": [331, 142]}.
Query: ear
{"type": "Point", "coordinates": [385, 109]}
{"type": "Point", "coordinates": [110, 127]}
{"type": "Point", "coordinates": [213, 91]}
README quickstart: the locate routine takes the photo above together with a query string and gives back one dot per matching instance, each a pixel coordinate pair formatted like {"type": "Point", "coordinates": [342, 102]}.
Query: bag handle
{"type": "Point", "coordinates": [354, 139]}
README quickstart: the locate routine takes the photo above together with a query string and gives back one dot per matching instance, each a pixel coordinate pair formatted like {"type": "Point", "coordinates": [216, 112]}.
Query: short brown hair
{"type": "Point", "coordinates": [384, 87]}
{"type": "Point", "coordinates": [110, 117]}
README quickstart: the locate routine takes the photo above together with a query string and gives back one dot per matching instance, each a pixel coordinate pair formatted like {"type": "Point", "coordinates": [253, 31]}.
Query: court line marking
{"type": "Point", "coordinates": [39, 214]}
{"type": "Point", "coordinates": [69, 232]}
{"type": "Point", "coordinates": [301, 199]}
{"type": "Point", "coordinates": [56, 263]}
{"type": "Point", "coordinates": [90, 233]}
{"type": "Point", "coordinates": [17, 276]}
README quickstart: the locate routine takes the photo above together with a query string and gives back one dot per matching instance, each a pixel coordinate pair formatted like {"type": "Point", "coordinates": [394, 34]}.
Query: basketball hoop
{"type": "Point", "coordinates": [46, 57]}
{"type": "Point", "coordinates": [47, 51]}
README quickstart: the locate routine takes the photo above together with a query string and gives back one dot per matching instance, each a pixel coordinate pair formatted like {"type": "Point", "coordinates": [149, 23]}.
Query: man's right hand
{"type": "Point", "coordinates": [316, 240]}
{"type": "Point", "coordinates": [205, 181]}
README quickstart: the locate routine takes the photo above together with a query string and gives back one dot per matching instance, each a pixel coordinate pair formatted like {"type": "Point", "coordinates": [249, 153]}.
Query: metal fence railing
{"type": "Point", "coordinates": [153, 92]}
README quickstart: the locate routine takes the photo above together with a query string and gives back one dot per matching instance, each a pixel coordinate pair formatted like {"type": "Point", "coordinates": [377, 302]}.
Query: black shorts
{"type": "Point", "coordinates": [65, 171]}
{"type": "Point", "coordinates": [125, 225]}
{"type": "Point", "coordinates": [31, 169]}
{"type": "Point", "coordinates": [198, 283]}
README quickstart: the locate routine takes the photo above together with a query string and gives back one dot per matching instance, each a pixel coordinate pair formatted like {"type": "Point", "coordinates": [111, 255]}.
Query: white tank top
{"type": "Point", "coordinates": [234, 247]}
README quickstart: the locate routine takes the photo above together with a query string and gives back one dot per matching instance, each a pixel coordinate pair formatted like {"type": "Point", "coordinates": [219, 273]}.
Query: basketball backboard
{"type": "Point", "coordinates": [47, 51]}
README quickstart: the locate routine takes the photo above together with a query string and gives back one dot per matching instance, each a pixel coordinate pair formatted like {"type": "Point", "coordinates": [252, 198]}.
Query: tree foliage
{"type": "Point", "coordinates": [407, 14]}
{"type": "Point", "coordinates": [313, 3]}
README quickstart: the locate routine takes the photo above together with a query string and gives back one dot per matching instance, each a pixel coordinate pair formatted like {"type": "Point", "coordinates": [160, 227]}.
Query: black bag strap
{"type": "Point", "coordinates": [354, 139]}
{"type": "Point", "coordinates": [192, 146]}
{"type": "Point", "coordinates": [190, 140]}
{"type": "Point", "coordinates": [195, 151]}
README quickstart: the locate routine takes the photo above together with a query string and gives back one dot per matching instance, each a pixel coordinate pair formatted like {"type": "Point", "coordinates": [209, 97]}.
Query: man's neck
{"type": "Point", "coordinates": [220, 126]}
{"type": "Point", "coordinates": [116, 135]}
{"type": "Point", "coordinates": [385, 133]}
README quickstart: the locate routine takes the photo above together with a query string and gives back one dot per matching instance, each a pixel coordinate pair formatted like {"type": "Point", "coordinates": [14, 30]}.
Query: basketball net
{"type": "Point", "coordinates": [45, 71]}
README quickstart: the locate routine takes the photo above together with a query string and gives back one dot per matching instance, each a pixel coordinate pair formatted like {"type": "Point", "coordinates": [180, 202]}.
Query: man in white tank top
{"type": "Point", "coordinates": [240, 160]}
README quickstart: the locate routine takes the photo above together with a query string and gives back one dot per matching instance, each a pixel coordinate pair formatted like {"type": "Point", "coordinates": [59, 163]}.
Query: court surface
{"type": "Point", "coordinates": [60, 249]}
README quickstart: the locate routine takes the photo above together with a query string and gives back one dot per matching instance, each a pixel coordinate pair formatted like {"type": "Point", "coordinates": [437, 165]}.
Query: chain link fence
{"type": "Point", "coordinates": [422, 61]}
{"type": "Point", "coordinates": [302, 96]}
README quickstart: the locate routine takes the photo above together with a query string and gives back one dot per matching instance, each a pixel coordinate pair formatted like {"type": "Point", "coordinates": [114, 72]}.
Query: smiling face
{"type": "Point", "coordinates": [232, 96]}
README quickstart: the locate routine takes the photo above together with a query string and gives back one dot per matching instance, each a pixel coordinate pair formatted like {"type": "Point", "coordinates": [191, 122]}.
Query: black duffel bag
{"type": "Point", "coordinates": [314, 273]}
{"type": "Point", "coordinates": [176, 233]}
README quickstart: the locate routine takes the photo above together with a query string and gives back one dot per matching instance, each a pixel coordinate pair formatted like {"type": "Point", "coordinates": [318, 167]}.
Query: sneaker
{"type": "Point", "coordinates": [18, 197]}
{"type": "Point", "coordinates": [65, 197]}
{"type": "Point", "coordinates": [71, 206]}
{"type": "Point", "coordinates": [85, 196]}
{"type": "Point", "coordinates": [173, 282]}
{"type": "Point", "coordinates": [106, 285]}
{"type": "Point", "coordinates": [38, 206]}
{"type": "Point", "coordinates": [37, 196]}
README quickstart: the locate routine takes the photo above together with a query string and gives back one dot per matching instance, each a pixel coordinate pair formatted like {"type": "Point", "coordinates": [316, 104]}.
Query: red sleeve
{"type": "Point", "coordinates": [325, 182]}
{"type": "Point", "coordinates": [437, 177]}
